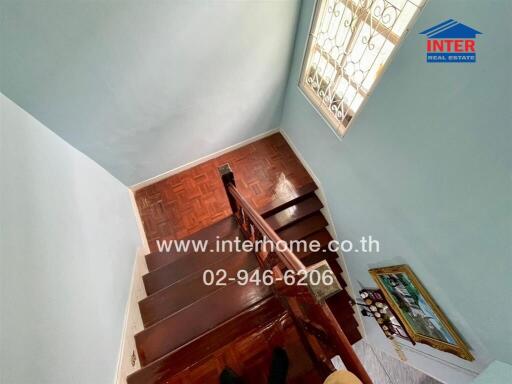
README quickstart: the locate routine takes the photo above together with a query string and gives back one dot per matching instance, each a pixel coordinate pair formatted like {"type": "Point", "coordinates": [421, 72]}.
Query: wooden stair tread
{"type": "Point", "coordinates": [323, 254]}
{"type": "Point", "coordinates": [286, 201]}
{"type": "Point", "coordinates": [343, 311]}
{"type": "Point", "coordinates": [174, 297]}
{"type": "Point", "coordinates": [304, 227]}
{"type": "Point", "coordinates": [310, 378]}
{"type": "Point", "coordinates": [331, 260]}
{"type": "Point", "coordinates": [196, 319]}
{"type": "Point", "coordinates": [173, 272]}
{"type": "Point", "coordinates": [303, 220]}
{"type": "Point", "coordinates": [159, 371]}
{"type": "Point", "coordinates": [290, 215]}
{"type": "Point", "coordinates": [222, 228]}
{"type": "Point", "coordinates": [323, 237]}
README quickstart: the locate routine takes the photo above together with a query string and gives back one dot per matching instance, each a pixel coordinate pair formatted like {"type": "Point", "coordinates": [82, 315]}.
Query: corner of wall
{"type": "Point", "coordinates": [140, 225]}
{"type": "Point", "coordinates": [135, 187]}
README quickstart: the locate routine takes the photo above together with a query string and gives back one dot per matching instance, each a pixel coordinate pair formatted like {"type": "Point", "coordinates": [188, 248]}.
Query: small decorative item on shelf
{"type": "Point", "coordinates": [375, 306]}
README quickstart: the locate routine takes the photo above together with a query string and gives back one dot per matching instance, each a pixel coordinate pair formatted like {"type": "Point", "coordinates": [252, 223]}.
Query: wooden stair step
{"type": "Point", "coordinates": [332, 260]}
{"type": "Point", "coordinates": [312, 377]}
{"type": "Point", "coordinates": [196, 319]}
{"type": "Point", "coordinates": [222, 228]}
{"type": "Point", "coordinates": [290, 215]}
{"type": "Point", "coordinates": [209, 249]}
{"type": "Point", "coordinates": [176, 296]}
{"type": "Point", "coordinates": [342, 302]}
{"type": "Point", "coordinates": [323, 237]}
{"type": "Point", "coordinates": [305, 221]}
{"type": "Point", "coordinates": [336, 268]}
{"type": "Point", "coordinates": [344, 312]}
{"type": "Point", "coordinates": [194, 262]}
{"type": "Point", "coordinates": [266, 312]}
{"type": "Point", "coordinates": [304, 227]}
{"type": "Point", "coordinates": [322, 254]}
{"type": "Point", "coordinates": [286, 201]}
{"type": "Point", "coordinates": [307, 256]}
{"type": "Point", "coordinates": [353, 334]}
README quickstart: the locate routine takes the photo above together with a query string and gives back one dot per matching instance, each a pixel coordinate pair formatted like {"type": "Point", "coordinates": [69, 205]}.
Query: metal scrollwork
{"type": "Point", "coordinates": [349, 37]}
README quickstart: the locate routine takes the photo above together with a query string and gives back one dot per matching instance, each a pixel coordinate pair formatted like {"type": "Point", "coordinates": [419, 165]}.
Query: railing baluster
{"type": "Point", "coordinates": [228, 178]}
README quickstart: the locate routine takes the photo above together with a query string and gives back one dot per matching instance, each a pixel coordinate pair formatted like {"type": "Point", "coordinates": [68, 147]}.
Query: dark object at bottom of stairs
{"type": "Point", "coordinates": [228, 376]}
{"type": "Point", "coordinates": [277, 374]}
{"type": "Point", "coordinates": [278, 367]}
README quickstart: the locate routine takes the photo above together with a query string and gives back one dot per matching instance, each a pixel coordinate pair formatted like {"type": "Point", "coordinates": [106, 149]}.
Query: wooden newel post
{"type": "Point", "coordinates": [228, 178]}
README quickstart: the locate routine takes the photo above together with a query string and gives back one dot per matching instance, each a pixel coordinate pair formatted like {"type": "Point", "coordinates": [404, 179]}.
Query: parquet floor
{"type": "Point", "coordinates": [195, 198]}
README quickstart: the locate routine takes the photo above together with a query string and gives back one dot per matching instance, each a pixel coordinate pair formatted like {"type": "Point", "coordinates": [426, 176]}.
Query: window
{"type": "Point", "coordinates": [349, 44]}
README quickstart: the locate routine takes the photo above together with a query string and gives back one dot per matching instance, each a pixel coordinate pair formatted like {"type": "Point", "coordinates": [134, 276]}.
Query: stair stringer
{"type": "Point", "coordinates": [128, 359]}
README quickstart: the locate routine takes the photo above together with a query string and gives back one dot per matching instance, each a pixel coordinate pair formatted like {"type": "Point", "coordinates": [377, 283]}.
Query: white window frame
{"type": "Point", "coordinates": [339, 128]}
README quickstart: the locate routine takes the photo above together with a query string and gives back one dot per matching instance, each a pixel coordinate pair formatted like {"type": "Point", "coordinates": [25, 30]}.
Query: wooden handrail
{"type": "Point", "coordinates": [315, 319]}
{"type": "Point", "coordinates": [286, 256]}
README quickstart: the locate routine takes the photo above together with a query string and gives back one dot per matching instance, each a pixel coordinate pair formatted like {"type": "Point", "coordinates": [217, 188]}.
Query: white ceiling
{"type": "Point", "coordinates": [142, 87]}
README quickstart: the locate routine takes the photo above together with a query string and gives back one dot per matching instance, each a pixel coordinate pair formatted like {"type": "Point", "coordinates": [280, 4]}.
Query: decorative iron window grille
{"type": "Point", "coordinates": [349, 44]}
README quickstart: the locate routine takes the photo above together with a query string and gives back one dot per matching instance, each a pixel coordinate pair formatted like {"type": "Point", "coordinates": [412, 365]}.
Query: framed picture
{"type": "Point", "coordinates": [422, 318]}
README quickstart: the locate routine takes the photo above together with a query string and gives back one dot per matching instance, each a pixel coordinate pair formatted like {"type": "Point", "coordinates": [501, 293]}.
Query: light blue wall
{"type": "Point", "coordinates": [67, 244]}
{"type": "Point", "coordinates": [497, 373]}
{"type": "Point", "coordinates": [425, 169]}
{"type": "Point", "coordinates": [143, 87]}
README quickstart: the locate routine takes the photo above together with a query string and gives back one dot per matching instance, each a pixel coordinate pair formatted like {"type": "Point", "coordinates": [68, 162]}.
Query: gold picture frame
{"type": "Point", "coordinates": [423, 319]}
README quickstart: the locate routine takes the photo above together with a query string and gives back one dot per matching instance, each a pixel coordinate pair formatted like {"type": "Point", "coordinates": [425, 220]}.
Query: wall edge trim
{"type": "Point", "coordinates": [184, 167]}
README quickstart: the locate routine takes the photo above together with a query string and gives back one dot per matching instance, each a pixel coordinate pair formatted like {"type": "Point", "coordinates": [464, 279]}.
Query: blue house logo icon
{"type": "Point", "coordinates": [451, 42]}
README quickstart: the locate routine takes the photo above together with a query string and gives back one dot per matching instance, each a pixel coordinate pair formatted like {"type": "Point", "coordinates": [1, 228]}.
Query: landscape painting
{"type": "Point", "coordinates": [422, 318]}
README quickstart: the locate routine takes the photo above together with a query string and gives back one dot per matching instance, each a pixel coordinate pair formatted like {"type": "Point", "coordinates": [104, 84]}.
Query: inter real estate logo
{"type": "Point", "coordinates": [451, 42]}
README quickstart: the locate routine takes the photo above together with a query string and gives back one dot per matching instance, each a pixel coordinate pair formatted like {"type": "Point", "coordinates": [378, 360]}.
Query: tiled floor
{"type": "Point", "coordinates": [384, 369]}
{"type": "Point", "coordinates": [193, 199]}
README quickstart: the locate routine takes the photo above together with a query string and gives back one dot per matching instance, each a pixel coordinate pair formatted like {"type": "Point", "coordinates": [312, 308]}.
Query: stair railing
{"type": "Point", "coordinates": [318, 327]}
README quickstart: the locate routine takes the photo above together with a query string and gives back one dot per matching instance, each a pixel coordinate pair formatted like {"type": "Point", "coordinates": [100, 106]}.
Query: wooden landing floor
{"type": "Point", "coordinates": [194, 199]}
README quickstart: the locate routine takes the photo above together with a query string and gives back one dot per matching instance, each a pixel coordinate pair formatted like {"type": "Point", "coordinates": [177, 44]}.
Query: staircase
{"type": "Point", "coordinates": [189, 325]}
